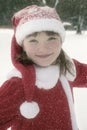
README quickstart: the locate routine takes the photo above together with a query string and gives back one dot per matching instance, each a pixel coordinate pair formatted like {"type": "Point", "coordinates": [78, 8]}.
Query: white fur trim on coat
{"type": "Point", "coordinates": [68, 93]}
{"type": "Point", "coordinates": [47, 77]}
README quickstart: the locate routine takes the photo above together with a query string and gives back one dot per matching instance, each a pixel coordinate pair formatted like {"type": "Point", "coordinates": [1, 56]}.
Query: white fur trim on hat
{"type": "Point", "coordinates": [38, 25]}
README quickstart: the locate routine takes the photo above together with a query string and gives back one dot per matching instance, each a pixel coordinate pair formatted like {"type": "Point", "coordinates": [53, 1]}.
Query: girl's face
{"type": "Point", "coordinates": [42, 48]}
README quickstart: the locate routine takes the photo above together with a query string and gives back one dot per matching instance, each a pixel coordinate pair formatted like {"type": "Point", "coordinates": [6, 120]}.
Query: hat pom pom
{"type": "Point", "coordinates": [29, 110]}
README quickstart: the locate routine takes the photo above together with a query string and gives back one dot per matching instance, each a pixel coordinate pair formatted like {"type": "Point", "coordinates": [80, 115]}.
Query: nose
{"type": "Point", "coordinates": [42, 47]}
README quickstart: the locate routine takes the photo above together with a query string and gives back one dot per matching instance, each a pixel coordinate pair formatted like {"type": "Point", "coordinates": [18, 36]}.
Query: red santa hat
{"type": "Point", "coordinates": [35, 19]}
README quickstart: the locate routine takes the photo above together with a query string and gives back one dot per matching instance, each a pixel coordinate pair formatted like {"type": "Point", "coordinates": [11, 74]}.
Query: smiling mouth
{"type": "Point", "coordinates": [44, 56]}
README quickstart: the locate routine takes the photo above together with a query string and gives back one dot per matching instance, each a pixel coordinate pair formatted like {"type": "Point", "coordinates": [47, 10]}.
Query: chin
{"type": "Point", "coordinates": [44, 65]}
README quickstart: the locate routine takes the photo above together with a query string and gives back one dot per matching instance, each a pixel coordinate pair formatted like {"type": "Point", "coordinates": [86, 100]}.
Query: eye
{"type": "Point", "coordinates": [52, 38]}
{"type": "Point", "coordinates": [33, 41]}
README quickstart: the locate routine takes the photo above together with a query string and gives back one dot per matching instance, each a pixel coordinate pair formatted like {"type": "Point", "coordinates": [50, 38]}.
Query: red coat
{"type": "Point", "coordinates": [54, 110]}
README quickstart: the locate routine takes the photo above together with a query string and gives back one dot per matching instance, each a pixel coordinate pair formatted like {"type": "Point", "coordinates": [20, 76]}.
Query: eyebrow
{"type": "Point", "coordinates": [49, 33]}
{"type": "Point", "coordinates": [33, 35]}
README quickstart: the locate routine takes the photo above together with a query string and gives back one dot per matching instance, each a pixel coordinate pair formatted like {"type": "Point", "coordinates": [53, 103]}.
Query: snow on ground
{"type": "Point", "coordinates": [5, 64]}
{"type": "Point", "coordinates": [74, 45]}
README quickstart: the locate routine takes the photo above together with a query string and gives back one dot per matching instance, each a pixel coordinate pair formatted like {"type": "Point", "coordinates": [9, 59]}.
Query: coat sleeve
{"type": "Point", "coordinates": [81, 75]}
{"type": "Point", "coordinates": [11, 96]}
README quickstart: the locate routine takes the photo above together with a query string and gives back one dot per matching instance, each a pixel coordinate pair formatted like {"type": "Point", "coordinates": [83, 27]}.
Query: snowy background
{"type": "Point", "coordinates": [75, 46]}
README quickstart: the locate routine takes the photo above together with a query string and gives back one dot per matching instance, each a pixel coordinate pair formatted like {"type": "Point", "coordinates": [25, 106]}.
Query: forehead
{"type": "Point", "coordinates": [48, 33]}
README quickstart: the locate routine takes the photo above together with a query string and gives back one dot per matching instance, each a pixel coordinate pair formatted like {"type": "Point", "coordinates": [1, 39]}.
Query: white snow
{"type": "Point", "coordinates": [75, 46]}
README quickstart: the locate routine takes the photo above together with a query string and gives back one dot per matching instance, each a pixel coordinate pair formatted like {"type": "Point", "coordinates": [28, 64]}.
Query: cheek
{"type": "Point", "coordinates": [56, 46]}
{"type": "Point", "coordinates": [27, 49]}
{"type": "Point", "coordinates": [30, 52]}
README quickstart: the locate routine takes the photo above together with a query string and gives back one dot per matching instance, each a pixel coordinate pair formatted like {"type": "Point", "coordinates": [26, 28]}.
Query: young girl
{"type": "Point", "coordinates": [38, 93]}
